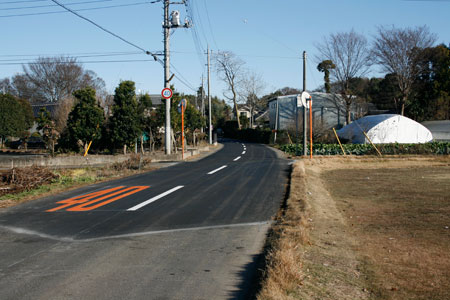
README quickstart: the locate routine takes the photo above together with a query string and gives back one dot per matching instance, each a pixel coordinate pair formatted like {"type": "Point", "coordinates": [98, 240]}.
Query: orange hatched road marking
{"type": "Point", "coordinates": [82, 203]}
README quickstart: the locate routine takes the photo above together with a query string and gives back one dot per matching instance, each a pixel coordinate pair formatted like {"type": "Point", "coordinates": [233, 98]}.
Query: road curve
{"type": "Point", "coordinates": [191, 231]}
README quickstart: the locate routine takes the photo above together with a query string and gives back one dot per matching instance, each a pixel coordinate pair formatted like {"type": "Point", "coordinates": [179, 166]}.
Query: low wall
{"type": "Point", "coordinates": [72, 161]}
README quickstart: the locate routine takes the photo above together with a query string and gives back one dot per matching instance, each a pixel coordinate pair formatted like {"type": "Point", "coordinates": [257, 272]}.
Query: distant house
{"type": "Point", "coordinates": [328, 111]}
{"type": "Point", "coordinates": [156, 100]}
{"type": "Point", "coordinates": [245, 110]}
{"type": "Point", "coordinates": [50, 107]}
{"type": "Point", "coordinates": [262, 118]}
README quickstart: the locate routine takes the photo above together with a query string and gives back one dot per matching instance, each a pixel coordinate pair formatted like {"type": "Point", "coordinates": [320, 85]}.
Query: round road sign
{"type": "Point", "coordinates": [166, 93]}
{"type": "Point", "coordinates": [305, 96]}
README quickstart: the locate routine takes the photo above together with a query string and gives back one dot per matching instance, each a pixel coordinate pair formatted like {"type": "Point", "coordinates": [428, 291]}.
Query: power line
{"type": "Point", "coordinates": [75, 56]}
{"type": "Point", "coordinates": [177, 74]}
{"type": "Point", "coordinates": [118, 53]}
{"type": "Point", "coordinates": [82, 9]}
{"type": "Point", "coordinates": [201, 24]}
{"type": "Point", "coordinates": [197, 43]}
{"type": "Point", "coordinates": [53, 5]}
{"type": "Point", "coordinates": [15, 2]}
{"type": "Point", "coordinates": [106, 30]}
{"type": "Point", "coordinates": [182, 79]}
{"type": "Point", "coordinates": [209, 22]}
{"type": "Point", "coordinates": [84, 62]}
{"type": "Point", "coordinates": [72, 54]}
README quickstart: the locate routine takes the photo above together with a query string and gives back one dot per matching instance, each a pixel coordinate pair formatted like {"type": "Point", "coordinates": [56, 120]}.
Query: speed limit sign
{"type": "Point", "coordinates": [166, 93]}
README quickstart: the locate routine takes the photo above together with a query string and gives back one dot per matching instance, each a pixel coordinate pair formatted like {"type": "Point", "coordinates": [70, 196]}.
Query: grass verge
{"type": "Point", "coordinates": [68, 179]}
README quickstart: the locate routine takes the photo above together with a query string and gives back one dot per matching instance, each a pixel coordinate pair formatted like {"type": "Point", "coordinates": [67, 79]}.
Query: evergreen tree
{"type": "Point", "coordinates": [48, 127]}
{"type": "Point", "coordinates": [430, 99]}
{"type": "Point", "coordinates": [325, 67]}
{"type": "Point", "coordinates": [124, 127]}
{"type": "Point", "coordinates": [86, 119]}
{"type": "Point", "coordinates": [16, 117]}
{"type": "Point", "coordinates": [146, 119]}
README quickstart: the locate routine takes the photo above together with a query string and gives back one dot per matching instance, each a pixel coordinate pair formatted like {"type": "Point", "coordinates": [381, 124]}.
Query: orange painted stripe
{"type": "Point", "coordinates": [86, 207]}
{"type": "Point", "coordinates": [82, 202]}
{"type": "Point", "coordinates": [82, 198]}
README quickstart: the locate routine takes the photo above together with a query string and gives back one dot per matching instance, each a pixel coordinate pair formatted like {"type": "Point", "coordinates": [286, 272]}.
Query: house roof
{"type": "Point", "coordinates": [262, 116]}
{"type": "Point", "coordinates": [156, 99]}
{"type": "Point", "coordinates": [50, 107]}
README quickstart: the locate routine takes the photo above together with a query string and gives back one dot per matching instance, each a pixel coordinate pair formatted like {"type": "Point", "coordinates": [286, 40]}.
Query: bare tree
{"type": "Point", "coordinates": [231, 70]}
{"type": "Point", "coordinates": [398, 52]}
{"type": "Point", "coordinates": [62, 111]}
{"type": "Point", "coordinates": [6, 86]}
{"type": "Point", "coordinates": [349, 53]}
{"type": "Point", "coordinates": [252, 87]}
{"type": "Point", "coordinates": [53, 79]}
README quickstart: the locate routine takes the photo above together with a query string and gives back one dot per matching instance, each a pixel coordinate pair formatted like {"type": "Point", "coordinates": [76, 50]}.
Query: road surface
{"type": "Point", "coordinates": [194, 230]}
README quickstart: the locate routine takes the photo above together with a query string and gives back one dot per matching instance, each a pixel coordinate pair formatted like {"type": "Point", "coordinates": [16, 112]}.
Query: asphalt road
{"type": "Point", "coordinates": [194, 230]}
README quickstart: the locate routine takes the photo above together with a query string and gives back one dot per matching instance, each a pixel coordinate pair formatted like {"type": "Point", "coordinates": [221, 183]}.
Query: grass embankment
{"type": "Point", "coordinates": [363, 229]}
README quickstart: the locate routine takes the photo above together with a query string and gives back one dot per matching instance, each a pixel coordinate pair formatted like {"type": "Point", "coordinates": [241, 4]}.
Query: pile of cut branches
{"type": "Point", "coordinates": [20, 179]}
{"type": "Point", "coordinates": [135, 162]}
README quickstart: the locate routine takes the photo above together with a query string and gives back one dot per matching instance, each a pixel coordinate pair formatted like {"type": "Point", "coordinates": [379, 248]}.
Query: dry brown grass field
{"type": "Point", "coordinates": [363, 228]}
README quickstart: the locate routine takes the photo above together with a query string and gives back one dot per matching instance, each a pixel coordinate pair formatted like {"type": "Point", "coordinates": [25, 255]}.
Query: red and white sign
{"type": "Point", "coordinates": [166, 93]}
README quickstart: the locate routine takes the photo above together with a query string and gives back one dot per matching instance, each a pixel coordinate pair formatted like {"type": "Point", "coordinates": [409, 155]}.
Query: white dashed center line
{"type": "Point", "coordinates": [217, 170]}
{"type": "Point", "coordinates": [243, 152]}
{"type": "Point", "coordinates": [155, 198]}
{"type": "Point", "coordinates": [237, 158]}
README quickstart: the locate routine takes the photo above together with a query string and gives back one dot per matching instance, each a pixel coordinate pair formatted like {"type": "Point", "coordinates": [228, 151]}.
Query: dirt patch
{"type": "Point", "coordinates": [401, 219]}
{"type": "Point", "coordinates": [376, 229]}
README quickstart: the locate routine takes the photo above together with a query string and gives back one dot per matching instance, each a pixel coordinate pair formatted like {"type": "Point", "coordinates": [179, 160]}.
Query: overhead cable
{"type": "Point", "coordinates": [25, 1]}
{"type": "Point", "coordinates": [209, 22]}
{"type": "Point", "coordinates": [81, 9]}
{"type": "Point", "coordinates": [106, 30]}
{"type": "Point", "coordinates": [53, 5]}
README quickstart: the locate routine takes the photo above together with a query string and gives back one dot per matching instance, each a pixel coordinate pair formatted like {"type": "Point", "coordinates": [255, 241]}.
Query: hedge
{"type": "Point", "coordinates": [437, 148]}
{"type": "Point", "coordinates": [261, 136]}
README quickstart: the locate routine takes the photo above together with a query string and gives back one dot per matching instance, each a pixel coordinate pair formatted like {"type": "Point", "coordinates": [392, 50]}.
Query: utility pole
{"type": "Point", "coordinates": [203, 99]}
{"type": "Point", "coordinates": [167, 25]}
{"type": "Point", "coordinates": [202, 107]}
{"type": "Point", "coordinates": [305, 152]}
{"type": "Point", "coordinates": [209, 97]}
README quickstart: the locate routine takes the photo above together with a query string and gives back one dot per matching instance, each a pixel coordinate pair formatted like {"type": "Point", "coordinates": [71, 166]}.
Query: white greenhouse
{"type": "Point", "coordinates": [384, 129]}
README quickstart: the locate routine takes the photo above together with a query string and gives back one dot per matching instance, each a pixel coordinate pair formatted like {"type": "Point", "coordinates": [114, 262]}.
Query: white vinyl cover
{"type": "Point", "coordinates": [384, 129]}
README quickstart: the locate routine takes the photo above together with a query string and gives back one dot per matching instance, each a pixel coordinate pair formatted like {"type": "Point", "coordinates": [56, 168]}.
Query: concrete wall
{"type": "Point", "coordinates": [18, 161]}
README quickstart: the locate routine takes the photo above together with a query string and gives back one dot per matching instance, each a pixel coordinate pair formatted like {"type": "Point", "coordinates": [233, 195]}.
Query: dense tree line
{"type": "Point", "coordinates": [131, 119]}
{"type": "Point", "coordinates": [416, 83]}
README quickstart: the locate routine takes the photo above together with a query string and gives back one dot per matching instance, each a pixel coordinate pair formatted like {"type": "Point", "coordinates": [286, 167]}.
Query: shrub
{"type": "Point", "coordinates": [436, 148]}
